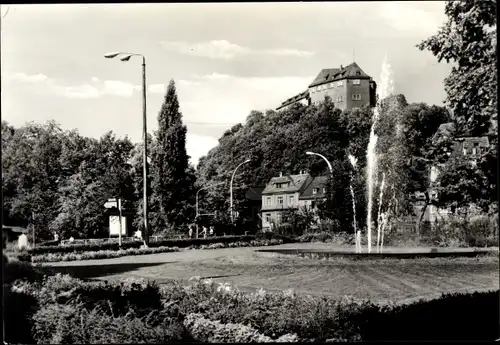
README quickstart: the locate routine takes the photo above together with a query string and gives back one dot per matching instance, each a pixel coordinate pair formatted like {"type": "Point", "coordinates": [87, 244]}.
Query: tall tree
{"type": "Point", "coordinates": [468, 39]}
{"type": "Point", "coordinates": [173, 177]}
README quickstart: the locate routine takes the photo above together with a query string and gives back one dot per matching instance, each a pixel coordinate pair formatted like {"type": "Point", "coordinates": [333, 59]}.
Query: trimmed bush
{"type": "Point", "coordinates": [180, 243]}
{"type": "Point", "coordinates": [102, 254]}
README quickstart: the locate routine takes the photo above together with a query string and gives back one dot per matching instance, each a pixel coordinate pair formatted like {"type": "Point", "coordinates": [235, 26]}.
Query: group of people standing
{"type": "Point", "coordinates": [207, 231]}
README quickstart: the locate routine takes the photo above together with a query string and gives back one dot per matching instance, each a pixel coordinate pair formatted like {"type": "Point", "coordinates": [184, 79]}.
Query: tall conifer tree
{"type": "Point", "coordinates": [173, 178]}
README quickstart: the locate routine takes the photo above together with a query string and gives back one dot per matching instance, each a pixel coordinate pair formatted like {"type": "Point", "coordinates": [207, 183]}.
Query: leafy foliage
{"type": "Point", "coordinates": [469, 39]}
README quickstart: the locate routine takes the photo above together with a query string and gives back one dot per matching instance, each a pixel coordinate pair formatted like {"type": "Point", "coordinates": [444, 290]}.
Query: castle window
{"type": "Point", "coordinates": [340, 83]}
{"type": "Point", "coordinates": [356, 82]}
{"type": "Point", "coordinates": [292, 200]}
{"type": "Point", "coordinates": [280, 200]}
{"type": "Point", "coordinates": [339, 99]}
{"type": "Point", "coordinates": [356, 97]}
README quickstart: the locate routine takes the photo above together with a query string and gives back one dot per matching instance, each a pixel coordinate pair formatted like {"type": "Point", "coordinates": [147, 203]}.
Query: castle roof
{"type": "Point", "coordinates": [330, 74]}
{"type": "Point", "coordinates": [296, 98]}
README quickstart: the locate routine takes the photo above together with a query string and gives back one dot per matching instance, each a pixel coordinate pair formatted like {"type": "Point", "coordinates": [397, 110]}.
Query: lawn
{"type": "Point", "coordinates": [380, 280]}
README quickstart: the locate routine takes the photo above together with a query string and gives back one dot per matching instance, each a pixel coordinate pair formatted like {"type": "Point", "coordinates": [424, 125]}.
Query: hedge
{"type": "Point", "coordinates": [180, 243]}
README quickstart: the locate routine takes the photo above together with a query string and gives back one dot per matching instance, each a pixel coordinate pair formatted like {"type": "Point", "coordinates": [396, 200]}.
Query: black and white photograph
{"type": "Point", "coordinates": [244, 172]}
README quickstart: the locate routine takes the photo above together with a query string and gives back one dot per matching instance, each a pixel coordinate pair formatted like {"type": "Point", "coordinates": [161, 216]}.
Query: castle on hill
{"type": "Point", "coordinates": [348, 87]}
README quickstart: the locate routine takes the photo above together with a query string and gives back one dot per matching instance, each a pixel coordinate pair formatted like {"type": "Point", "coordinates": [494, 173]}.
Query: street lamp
{"type": "Point", "coordinates": [326, 160]}
{"type": "Point", "coordinates": [199, 190]}
{"type": "Point", "coordinates": [126, 57]}
{"type": "Point", "coordinates": [231, 190]}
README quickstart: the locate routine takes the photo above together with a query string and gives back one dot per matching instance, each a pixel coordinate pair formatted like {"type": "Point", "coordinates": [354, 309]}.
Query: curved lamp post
{"type": "Point", "coordinates": [324, 158]}
{"type": "Point", "coordinates": [126, 57]}
{"type": "Point", "coordinates": [231, 191]}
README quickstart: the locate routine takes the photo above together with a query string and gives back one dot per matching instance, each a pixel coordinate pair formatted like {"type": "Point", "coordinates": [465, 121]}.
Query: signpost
{"type": "Point", "coordinates": [117, 204]}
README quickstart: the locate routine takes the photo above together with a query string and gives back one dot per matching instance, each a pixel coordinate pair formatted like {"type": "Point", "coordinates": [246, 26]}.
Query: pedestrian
{"type": "Point", "coordinates": [56, 236]}
{"type": "Point", "coordinates": [205, 232]}
{"type": "Point", "coordinates": [211, 231]}
{"type": "Point", "coordinates": [191, 231]}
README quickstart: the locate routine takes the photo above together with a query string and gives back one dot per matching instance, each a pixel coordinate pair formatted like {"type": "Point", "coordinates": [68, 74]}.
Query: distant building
{"type": "Point", "coordinates": [290, 192]}
{"type": "Point", "coordinates": [470, 146]}
{"type": "Point", "coordinates": [348, 87]}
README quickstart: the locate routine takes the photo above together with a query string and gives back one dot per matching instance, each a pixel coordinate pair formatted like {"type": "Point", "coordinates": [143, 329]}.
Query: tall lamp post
{"type": "Point", "coordinates": [231, 191]}
{"type": "Point", "coordinates": [199, 190]}
{"type": "Point", "coordinates": [126, 57]}
{"type": "Point", "coordinates": [324, 158]}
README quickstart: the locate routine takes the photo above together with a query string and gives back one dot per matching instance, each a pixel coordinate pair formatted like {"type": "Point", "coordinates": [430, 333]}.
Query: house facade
{"type": "Point", "coordinates": [290, 192]}
{"type": "Point", "coordinates": [349, 88]}
{"type": "Point", "coordinates": [470, 146]}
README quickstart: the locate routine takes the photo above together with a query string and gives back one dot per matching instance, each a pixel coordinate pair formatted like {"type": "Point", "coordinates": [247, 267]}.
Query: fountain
{"type": "Point", "coordinates": [387, 185]}
{"type": "Point", "coordinates": [386, 88]}
{"type": "Point", "coordinates": [357, 234]}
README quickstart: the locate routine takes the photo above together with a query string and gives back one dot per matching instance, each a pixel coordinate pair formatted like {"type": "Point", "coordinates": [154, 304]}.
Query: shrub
{"type": "Point", "coordinates": [113, 246]}
{"type": "Point", "coordinates": [74, 324]}
{"type": "Point", "coordinates": [102, 254]}
{"type": "Point", "coordinates": [205, 330]}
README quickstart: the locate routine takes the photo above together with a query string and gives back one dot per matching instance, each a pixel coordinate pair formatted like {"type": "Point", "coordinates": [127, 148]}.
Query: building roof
{"type": "Point", "coordinates": [319, 182]}
{"type": "Point", "coordinates": [296, 98]}
{"type": "Point", "coordinates": [330, 74]}
{"type": "Point", "coordinates": [445, 129]}
{"type": "Point", "coordinates": [448, 129]}
{"type": "Point", "coordinates": [296, 184]}
{"type": "Point", "coordinates": [482, 141]}
{"type": "Point", "coordinates": [16, 229]}
{"type": "Point", "coordinates": [254, 193]}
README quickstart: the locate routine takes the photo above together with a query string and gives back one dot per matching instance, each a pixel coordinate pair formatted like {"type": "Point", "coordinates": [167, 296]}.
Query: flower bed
{"type": "Point", "coordinates": [101, 254]}
{"type": "Point", "coordinates": [180, 243]}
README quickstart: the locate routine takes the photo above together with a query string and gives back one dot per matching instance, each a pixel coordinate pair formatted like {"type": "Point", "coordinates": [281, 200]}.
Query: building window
{"type": "Point", "coordinates": [339, 99]}
{"type": "Point", "coordinates": [268, 218]}
{"type": "Point", "coordinates": [358, 73]}
{"type": "Point", "coordinates": [356, 97]}
{"type": "Point", "coordinates": [280, 200]}
{"type": "Point", "coordinates": [292, 200]}
{"type": "Point", "coordinates": [315, 191]}
{"type": "Point", "coordinates": [269, 200]}
{"type": "Point", "coordinates": [340, 83]}
{"type": "Point", "coordinates": [356, 82]}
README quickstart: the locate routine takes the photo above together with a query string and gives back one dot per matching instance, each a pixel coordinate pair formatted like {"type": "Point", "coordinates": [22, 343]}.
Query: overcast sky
{"type": "Point", "coordinates": [226, 59]}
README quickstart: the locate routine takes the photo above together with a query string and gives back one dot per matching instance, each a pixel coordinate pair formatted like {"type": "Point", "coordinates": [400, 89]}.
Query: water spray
{"type": "Point", "coordinates": [379, 214]}
{"type": "Point", "coordinates": [386, 88]}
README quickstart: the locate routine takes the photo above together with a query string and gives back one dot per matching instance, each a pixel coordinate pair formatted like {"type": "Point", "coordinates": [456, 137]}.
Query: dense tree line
{"type": "Point", "coordinates": [58, 180]}
{"type": "Point", "coordinates": [277, 141]}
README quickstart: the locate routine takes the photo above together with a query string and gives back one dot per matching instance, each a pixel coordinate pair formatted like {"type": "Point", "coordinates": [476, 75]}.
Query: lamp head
{"type": "Point", "coordinates": [126, 57]}
{"type": "Point", "coordinates": [309, 153]}
{"type": "Point", "coordinates": [248, 160]}
{"type": "Point", "coordinates": [111, 55]}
